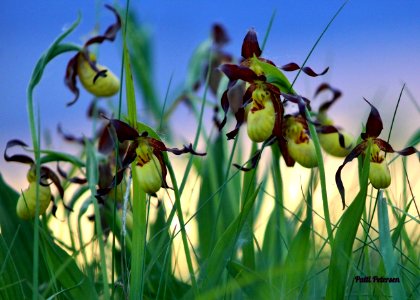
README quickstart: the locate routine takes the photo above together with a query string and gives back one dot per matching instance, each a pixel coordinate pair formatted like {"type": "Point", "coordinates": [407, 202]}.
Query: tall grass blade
{"type": "Point", "coordinates": [387, 250]}
{"type": "Point", "coordinates": [344, 239]}
{"type": "Point", "coordinates": [225, 248]}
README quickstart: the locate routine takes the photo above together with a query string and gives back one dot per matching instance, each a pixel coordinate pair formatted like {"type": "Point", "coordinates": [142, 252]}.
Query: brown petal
{"type": "Point", "coordinates": [130, 155]}
{"type": "Point", "coordinates": [282, 143]}
{"type": "Point", "coordinates": [326, 87]}
{"type": "Point", "coordinates": [70, 78]}
{"type": "Point", "coordinates": [302, 103]}
{"type": "Point", "coordinates": [48, 173]}
{"type": "Point", "coordinates": [94, 111]}
{"type": "Point", "coordinates": [160, 158]}
{"type": "Point", "coordinates": [240, 113]}
{"type": "Point", "coordinates": [219, 35]}
{"type": "Point", "coordinates": [69, 137]}
{"type": "Point", "coordinates": [240, 118]}
{"type": "Point", "coordinates": [250, 46]}
{"type": "Point", "coordinates": [111, 31]}
{"type": "Point", "coordinates": [374, 123]}
{"type": "Point", "coordinates": [236, 72]}
{"type": "Point", "coordinates": [224, 102]}
{"type": "Point", "coordinates": [386, 147]}
{"type": "Point", "coordinates": [290, 67]}
{"type": "Point", "coordinates": [186, 149]}
{"type": "Point", "coordinates": [76, 180]}
{"type": "Point", "coordinates": [105, 143]}
{"type": "Point", "coordinates": [17, 157]}
{"type": "Point", "coordinates": [352, 155]}
{"type": "Point", "coordinates": [254, 161]}
{"type": "Point", "coordinates": [116, 180]}
{"type": "Point", "coordinates": [279, 109]}
{"type": "Point", "coordinates": [124, 131]}
{"type": "Point", "coordinates": [307, 70]}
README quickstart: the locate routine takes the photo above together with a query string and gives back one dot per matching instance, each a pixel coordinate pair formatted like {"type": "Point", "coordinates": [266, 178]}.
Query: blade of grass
{"type": "Point", "coordinates": [54, 50]}
{"type": "Point", "coordinates": [322, 179]}
{"type": "Point", "coordinates": [182, 225]}
{"type": "Point", "coordinates": [387, 250]}
{"type": "Point", "coordinates": [318, 40]}
{"type": "Point", "coordinates": [225, 247]}
{"type": "Point", "coordinates": [248, 186]}
{"type": "Point", "coordinates": [344, 239]}
{"type": "Point", "coordinates": [92, 176]}
{"type": "Point", "coordinates": [139, 198]}
{"type": "Point", "coordinates": [295, 266]}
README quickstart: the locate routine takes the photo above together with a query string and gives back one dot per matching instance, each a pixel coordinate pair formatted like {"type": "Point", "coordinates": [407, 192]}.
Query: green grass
{"type": "Point", "coordinates": [240, 236]}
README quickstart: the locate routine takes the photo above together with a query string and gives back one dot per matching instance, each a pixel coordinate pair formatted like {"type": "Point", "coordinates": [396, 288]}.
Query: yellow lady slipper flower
{"type": "Point", "coordinates": [150, 175]}
{"type": "Point", "coordinates": [261, 116]}
{"type": "Point", "coordinates": [299, 144]}
{"type": "Point", "coordinates": [26, 205]}
{"type": "Point", "coordinates": [147, 152]}
{"type": "Point", "coordinates": [95, 78]}
{"type": "Point", "coordinates": [330, 142]}
{"type": "Point", "coordinates": [149, 172]}
{"type": "Point", "coordinates": [333, 140]}
{"type": "Point", "coordinates": [105, 85]}
{"type": "Point", "coordinates": [379, 174]}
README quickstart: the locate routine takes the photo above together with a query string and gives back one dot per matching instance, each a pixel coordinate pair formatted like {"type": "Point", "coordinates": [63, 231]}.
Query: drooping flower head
{"type": "Point", "coordinates": [95, 78]}
{"type": "Point", "coordinates": [26, 205]}
{"type": "Point", "coordinates": [332, 139]}
{"type": "Point", "coordinates": [300, 145]}
{"type": "Point", "coordinates": [147, 152]}
{"type": "Point", "coordinates": [261, 105]}
{"type": "Point", "coordinates": [379, 174]}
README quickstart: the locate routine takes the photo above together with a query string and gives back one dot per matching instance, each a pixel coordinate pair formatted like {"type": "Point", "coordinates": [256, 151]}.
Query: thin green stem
{"type": "Point", "coordinates": [318, 40]}
{"type": "Point", "coordinates": [197, 135]}
{"type": "Point", "coordinates": [182, 229]}
{"type": "Point", "coordinates": [322, 179]}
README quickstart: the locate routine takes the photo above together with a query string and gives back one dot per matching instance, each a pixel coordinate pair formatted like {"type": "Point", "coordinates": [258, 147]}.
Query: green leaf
{"type": "Point", "coordinates": [226, 247]}
{"type": "Point", "coordinates": [387, 250]}
{"type": "Point", "coordinates": [211, 220]}
{"type": "Point", "coordinates": [248, 188]}
{"type": "Point", "coordinates": [16, 246]}
{"type": "Point", "coordinates": [139, 41]}
{"type": "Point", "coordinates": [257, 285]}
{"type": "Point", "coordinates": [275, 77]}
{"type": "Point", "coordinates": [295, 267]}
{"type": "Point", "coordinates": [66, 272]}
{"type": "Point", "coordinates": [53, 156]}
{"type": "Point", "coordinates": [344, 239]}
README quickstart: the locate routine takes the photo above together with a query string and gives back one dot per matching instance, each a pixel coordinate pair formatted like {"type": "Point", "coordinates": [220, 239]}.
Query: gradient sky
{"type": "Point", "coordinates": [372, 48]}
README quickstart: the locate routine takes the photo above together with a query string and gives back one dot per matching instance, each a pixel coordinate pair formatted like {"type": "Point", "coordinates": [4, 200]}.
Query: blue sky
{"type": "Point", "coordinates": [372, 48]}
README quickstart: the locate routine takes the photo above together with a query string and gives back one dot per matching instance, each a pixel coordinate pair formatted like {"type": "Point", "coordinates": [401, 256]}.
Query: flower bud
{"type": "Point", "coordinates": [331, 144]}
{"type": "Point", "coordinates": [103, 86]}
{"type": "Point", "coordinates": [150, 175]}
{"type": "Point", "coordinates": [379, 175]}
{"type": "Point", "coordinates": [26, 205]}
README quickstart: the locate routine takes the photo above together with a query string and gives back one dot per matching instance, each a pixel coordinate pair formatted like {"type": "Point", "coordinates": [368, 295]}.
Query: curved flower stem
{"type": "Point", "coordinates": [54, 50]}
